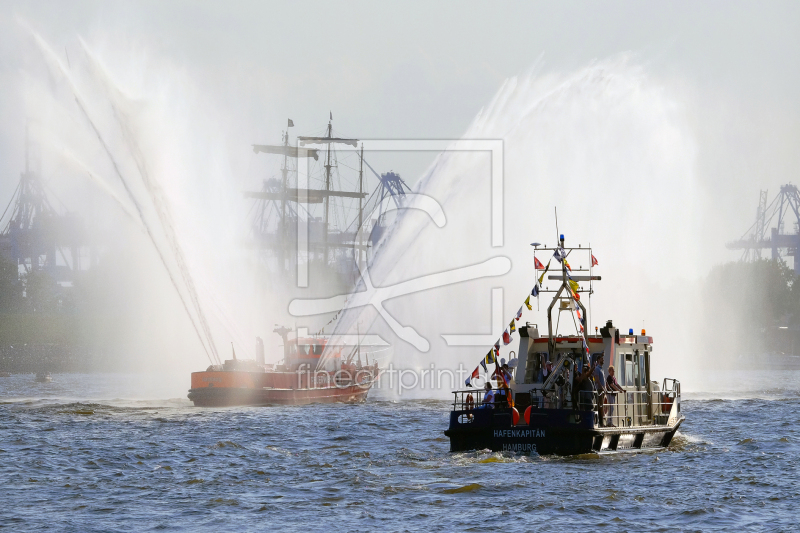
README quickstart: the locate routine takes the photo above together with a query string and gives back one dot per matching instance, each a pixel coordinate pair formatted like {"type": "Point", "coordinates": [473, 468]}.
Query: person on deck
{"type": "Point", "coordinates": [612, 387]}
{"type": "Point", "coordinates": [599, 379]}
{"type": "Point", "coordinates": [584, 388]}
{"type": "Point", "coordinates": [488, 398]}
{"type": "Point", "coordinates": [501, 397]}
{"type": "Point", "coordinates": [507, 374]}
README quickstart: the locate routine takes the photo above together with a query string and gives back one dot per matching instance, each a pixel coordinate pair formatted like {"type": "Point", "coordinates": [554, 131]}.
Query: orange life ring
{"type": "Point", "coordinates": [469, 402]}
{"type": "Point", "coordinates": [515, 416]}
{"type": "Point", "coordinates": [527, 415]}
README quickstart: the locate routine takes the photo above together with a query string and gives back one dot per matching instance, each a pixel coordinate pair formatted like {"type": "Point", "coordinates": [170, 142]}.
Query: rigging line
{"type": "Point", "coordinates": [19, 183]}
{"type": "Point", "coordinates": [572, 314]}
{"type": "Point", "coordinates": [47, 189]}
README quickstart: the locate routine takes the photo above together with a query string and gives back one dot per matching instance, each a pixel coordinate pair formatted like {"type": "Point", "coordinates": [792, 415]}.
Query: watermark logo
{"type": "Point", "coordinates": [376, 296]}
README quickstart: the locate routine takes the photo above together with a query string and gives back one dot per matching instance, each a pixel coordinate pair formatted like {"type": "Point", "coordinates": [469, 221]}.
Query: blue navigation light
{"type": "Point", "coordinates": [561, 237]}
{"type": "Point", "coordinates": [630, 331]}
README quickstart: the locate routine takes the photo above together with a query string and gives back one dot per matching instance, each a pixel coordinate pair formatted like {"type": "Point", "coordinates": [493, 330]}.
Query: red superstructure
{"type": "Point", "coordinates": [302, 378]}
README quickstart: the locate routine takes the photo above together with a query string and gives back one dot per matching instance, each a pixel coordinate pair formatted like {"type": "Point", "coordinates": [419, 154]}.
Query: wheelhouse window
{"type": "Point", "coordinates": [629, 370]}
{"type": "Point", "coordinates": [534, 366]}
{"type": "Point", "coordinates": [642, 370]}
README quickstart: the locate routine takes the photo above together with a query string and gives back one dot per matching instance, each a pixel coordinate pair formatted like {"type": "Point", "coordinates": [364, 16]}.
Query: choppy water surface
{"type": "Point", "coordinates": [137, 465]}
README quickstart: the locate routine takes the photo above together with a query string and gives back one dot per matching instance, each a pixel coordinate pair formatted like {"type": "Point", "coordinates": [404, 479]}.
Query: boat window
{"type": "Point", "coordinates": [533, 367]}
{"type": "Point", "coordinates": [642, 370]}
{"type": "Point", "coordinates": [629, 370]}
{"type": "Point", "coordinates": [637, 377]}
{"type": "Point", "coordinates": [317, 349]}
{"type": "Point", "coordinates": [304, 348]}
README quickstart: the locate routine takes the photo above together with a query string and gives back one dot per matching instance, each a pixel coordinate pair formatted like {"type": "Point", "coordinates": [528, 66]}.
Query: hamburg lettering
{"type": "Point", "coordinates": [519, 447]}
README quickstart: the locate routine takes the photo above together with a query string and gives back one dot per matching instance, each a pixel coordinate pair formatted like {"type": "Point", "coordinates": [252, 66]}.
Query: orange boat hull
{"type": "Point", "coordinates": [231, 388]}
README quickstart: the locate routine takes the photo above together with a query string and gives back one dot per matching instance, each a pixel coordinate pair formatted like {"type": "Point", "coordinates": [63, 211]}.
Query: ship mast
{"type": "Point", "coordinates": [285, 172]}
{"type": "Point", "coordinates": [360, 199]}
{"type": "Point", "coordinates": [327, 190]}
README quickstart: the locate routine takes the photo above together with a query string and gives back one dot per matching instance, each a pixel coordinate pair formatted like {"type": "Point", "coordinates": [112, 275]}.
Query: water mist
{"type": "Point", "coordinates": [607, 146]}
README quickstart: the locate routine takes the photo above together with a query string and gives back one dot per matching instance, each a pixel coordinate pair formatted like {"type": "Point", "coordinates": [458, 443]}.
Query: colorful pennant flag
{"type": "Point", "coordinates": [537, 264]}
{"type": "Point", "coordinates": [535, 290]}
{"type": "Point", "coordinates": [512, 327]}
{"type": "Point", "coordinates": [574, 286]}
{"type": "Point", "coordinates": [559, 255]}
{"type": "Point", "coordinates": [490, 357]}
{"type": "Point", "coordinates": [483, 363]}
{"type": "Point", "coordinates": [594, 261]}
{"type": "Point", "coordinates": [474, 375]}
{"type": "Point", "coordinates": [519, 314]}
{"type": "Point", "coordinates": [528, 303]}
{"type": "Point", "coordinates": [541, 278]}
{"type": "Point", "coordinates": [566, 263]}
{"type": "Point", "coordinates": [506, 338]}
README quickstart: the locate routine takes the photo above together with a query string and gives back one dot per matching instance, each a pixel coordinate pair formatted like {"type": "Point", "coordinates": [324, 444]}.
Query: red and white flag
{"type": "Point", "coordinates": [506, 338]}
{"type": "Point", "coordinates": [594, 261]}
{"type": "Point", "coordinates": [474, 375]}
{"type": "Point", "coordinates": [538, 264]}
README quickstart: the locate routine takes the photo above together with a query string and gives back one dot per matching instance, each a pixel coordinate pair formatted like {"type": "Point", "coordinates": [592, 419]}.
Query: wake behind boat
{"type": "Point", "coordinates": [559, 384]}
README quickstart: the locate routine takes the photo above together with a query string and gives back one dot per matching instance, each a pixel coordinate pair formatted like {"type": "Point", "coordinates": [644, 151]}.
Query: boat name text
{"type": "Point", "coordinates": [519, 433]}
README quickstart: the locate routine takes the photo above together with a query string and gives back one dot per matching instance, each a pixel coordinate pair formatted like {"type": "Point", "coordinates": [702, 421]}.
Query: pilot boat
{"type": "Point", "coordinates": [303, 377]}
{"type": "Point", "coordinates": [544, 411]}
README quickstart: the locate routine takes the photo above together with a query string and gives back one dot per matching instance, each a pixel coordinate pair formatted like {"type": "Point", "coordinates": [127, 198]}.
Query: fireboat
{"type": "Point", "coordinates": [556, 384]}
{"type": "Point", "coordinates": [304, 376]}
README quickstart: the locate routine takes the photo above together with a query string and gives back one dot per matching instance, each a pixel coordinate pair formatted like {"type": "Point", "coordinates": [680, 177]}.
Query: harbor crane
{"type": "Point", "coordinates": [776, 228]}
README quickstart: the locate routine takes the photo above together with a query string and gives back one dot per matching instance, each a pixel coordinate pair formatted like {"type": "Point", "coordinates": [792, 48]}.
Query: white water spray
{"type": "Point", "coordinates": [607, 146]}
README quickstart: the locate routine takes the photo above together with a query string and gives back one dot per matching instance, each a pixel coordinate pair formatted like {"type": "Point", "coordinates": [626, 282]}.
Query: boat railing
{"type": "Point", "coordinates": [626, 409]}
{"type": "Point", "coordinates": [629, 408]}
{"type": "Point", "coordinates": [466, 400]}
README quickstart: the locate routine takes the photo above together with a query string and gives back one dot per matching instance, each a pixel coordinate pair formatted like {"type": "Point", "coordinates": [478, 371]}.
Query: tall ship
{"type": "Point", "coordinates": [321, 186]}
{"type": "Point", "coordinates": [317, 210]}
{"type": "Point", "coordinates": [558, 395]}
{"type": "Point", "coordinates": [308, 373]}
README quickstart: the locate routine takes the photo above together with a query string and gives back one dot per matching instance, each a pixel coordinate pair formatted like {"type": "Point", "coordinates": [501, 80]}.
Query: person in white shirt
{"type": "Point", "coordinates": [488, 398]}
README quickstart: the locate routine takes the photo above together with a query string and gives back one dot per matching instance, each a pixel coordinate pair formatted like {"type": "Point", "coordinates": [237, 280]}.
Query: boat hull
{"type": "Point", "coordinates": [231, 388]}
{"type": "Point", "coordinates": [553, 432]}
{"type": "Point", "coordinates": [225, 397]}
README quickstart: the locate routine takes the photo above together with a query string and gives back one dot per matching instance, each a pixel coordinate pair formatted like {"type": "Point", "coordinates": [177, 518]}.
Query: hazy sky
{"type": "Point", "coordinates": [424, 69]}
{"type": "Point", "coordinates": [417, 69]}
{"type": "Point", "coordinates": [421, 70]}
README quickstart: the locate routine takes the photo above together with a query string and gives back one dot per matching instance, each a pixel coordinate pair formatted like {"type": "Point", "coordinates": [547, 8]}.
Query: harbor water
{"type": "Point", "coordinates": [99, 452]}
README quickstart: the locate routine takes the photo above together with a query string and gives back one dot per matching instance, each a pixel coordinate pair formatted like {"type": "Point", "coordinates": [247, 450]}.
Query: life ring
{"type": "Point", "coordinates": [515, 416]}
{"type": "Point", "coordinates": [469, 403]}
{"type": "Point", "coordinates": [527, 415]}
